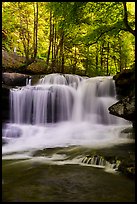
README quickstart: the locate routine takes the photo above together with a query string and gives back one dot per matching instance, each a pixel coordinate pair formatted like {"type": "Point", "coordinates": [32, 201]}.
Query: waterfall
{"type": "Point", "coordinates": [62, 97]}
{"type": "Point", "coordinates": [63, 110]}
{"type": "Point", "coordinates": [41, 104]}
{"type": "Point", "coordinates": [99, 161]}
{"type": "Point", "coordinates": [28, 80]}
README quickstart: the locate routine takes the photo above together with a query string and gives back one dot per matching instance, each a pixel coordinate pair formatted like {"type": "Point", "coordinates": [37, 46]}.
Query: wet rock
{"type": "Point", "coordinates": [14, 79]}
{"type": "Point", "coordinates": [127, 167]}
{"type": "Point", "coordinates": [125, 89]}
{"type": "Point", "coordinates": [125, 82]}
{"type": "Point", "coordinates": [124, 108]}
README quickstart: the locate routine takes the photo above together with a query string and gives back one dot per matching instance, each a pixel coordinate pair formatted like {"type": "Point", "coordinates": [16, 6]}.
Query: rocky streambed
{"type": "Point", "coordinates": [59, 175]}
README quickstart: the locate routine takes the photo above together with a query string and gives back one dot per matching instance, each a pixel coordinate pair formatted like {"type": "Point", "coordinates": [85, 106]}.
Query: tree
{"type": "Point", "coordinates": [35, 34]}
{"type": "Point", "coordinates": [128, 27]}
{"type": "Point", "coordinates": [95, 38]}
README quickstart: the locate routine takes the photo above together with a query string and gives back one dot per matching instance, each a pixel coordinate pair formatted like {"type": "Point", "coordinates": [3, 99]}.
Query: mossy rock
{"type": "Point", "coordinates": [37, 67]}
{"type": "Point", "coordinates": [11, 61]}
{"type": "Point", "coordinates": [127, 166]}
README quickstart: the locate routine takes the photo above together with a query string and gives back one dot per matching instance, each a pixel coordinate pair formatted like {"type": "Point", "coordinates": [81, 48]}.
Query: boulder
{"type": "Point", "coordinates": [11, 61]}
{"type": "Point", "coordinates": [124, 108]}
{"type": "Point", "coordinates": [125, 89]}
{"type": "Point", "coordinates": [14, 79]}
{"type": "Point", "coordinates": [37, 67]}
{"type": "Point", "coordinates": [127, 166]}
{"type": "Point", "coordinates": [125, 82]}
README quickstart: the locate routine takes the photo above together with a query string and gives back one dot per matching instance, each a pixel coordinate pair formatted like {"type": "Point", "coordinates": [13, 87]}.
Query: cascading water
{"type": "Point", "coordinates": [61, 111]}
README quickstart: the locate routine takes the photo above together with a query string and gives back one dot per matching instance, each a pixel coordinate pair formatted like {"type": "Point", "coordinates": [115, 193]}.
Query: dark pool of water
{"type": "Point", "coordinates": [40, 182]}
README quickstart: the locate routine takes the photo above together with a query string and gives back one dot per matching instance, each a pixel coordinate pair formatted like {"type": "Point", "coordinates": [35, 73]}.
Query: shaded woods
{"type": "Point", "coordinates": [86, 38]}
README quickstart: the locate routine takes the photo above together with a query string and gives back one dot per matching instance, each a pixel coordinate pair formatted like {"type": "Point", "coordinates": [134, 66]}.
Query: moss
{"type": "Point", "coordinates": [38, 67]}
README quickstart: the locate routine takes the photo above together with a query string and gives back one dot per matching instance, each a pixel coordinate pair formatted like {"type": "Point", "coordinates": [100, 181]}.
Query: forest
{"type": "Point", "coordinates": [68, 102]}
{"type": "Point", "coordinates": [85, 38]}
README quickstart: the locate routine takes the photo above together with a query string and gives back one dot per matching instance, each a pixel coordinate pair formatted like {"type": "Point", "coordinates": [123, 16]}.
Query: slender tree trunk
{"type": "Point", "coordinates": [50, 39]}
{"type": "Point", "coordinates": [126, 20]}
{"type": "Point", "coordinates": [52, 49]}
{"type": "Point", "coordinates": [120, 59]}
{"type": "Point", "coordinates": [87, 61]}
{"type": "Point", "coordinates": [75, 62]}
{"type": "Point", "coordinates": [35, 30]}
{"type": "Point", "coordinates": [62, 53]}
{"type": "Point", "coordinates": [63, 61]}
{"type": "Point", "coordinates": [120, 54]}
{"type": "Point", "coordinates": [101, 60]}
{"type": "Point", "coordinates": [97, 59]}
{"type": "Point", "coordinates": [115, 63]}
{"type": "Point", "coordinates": [22, 35]}
{"type": "Point", "coordinates": [125, 63]}
{"type": "Point", "coordinates": [27, 36]}
{"type": "Point", "coordinates": [107, 59]}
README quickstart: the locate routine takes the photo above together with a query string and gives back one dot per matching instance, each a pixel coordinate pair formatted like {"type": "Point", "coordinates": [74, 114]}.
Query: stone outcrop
{"type": "Point", "coordinates": [117, 163]}
{"type": "Point", "coordinates": [37, 67]}
{"type": "Point", "coordinates": [14, 79]}
{"type": "Point", "coordinates": [11, 61]}
{"type": "Point", "coordinates": [125, 89]}
{"type": "Point", "coordinates": [124, 108]}
{"type": "Point", "coordinates": [125, 82]}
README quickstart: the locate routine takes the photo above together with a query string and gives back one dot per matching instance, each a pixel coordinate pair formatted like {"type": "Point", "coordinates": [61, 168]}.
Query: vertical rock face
{"type": "Point", "coordinates": [125, 88]}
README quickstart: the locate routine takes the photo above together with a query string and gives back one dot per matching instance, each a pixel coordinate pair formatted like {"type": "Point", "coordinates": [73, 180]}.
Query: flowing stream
{"type": "Point", "coordinates": [61, 116]}
{"type": "Point", "coordinates": [61, 111]}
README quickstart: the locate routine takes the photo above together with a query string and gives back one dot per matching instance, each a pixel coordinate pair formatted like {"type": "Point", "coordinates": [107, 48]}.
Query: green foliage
{"type": "Point", "coordinates": [95, 40]}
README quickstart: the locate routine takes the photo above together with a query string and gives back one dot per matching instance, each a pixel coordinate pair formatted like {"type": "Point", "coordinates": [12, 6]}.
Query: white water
{"type": "Point", "coordinates": [61, 111]}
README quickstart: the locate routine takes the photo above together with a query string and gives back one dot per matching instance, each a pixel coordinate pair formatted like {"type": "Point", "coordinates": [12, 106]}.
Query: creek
{"type": "Point", "coordinates": [54, 124]}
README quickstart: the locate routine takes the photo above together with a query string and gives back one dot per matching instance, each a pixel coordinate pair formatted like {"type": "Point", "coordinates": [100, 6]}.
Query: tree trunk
{"type": "Point", "coordinates": [114, 58]}
{"type": "Point", "coordinates": [120, 55]}
{"type": "Point", "coordinates": [107, 59]}
{"type": "Point", "coordinates": [75, 62]}
{"type": "Point", "coordinates": [52, 50]}
{"type": "Point", "coordinates": [126, 20]}
{"type": "Point", "coordinates": [101, 60]}
{"type": "Point", "coordinates": [35, 29]}
{"type": "Point", "coordinates": [97, 59]}
{"type": "Point", "coordinates": [22, 35]}
{"type": "Point", "coordinates": [87, 61]}
{"type": "Point", "coordinates": [62, 52]}
{"type": "Point", "coordinates": [50, 39]}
